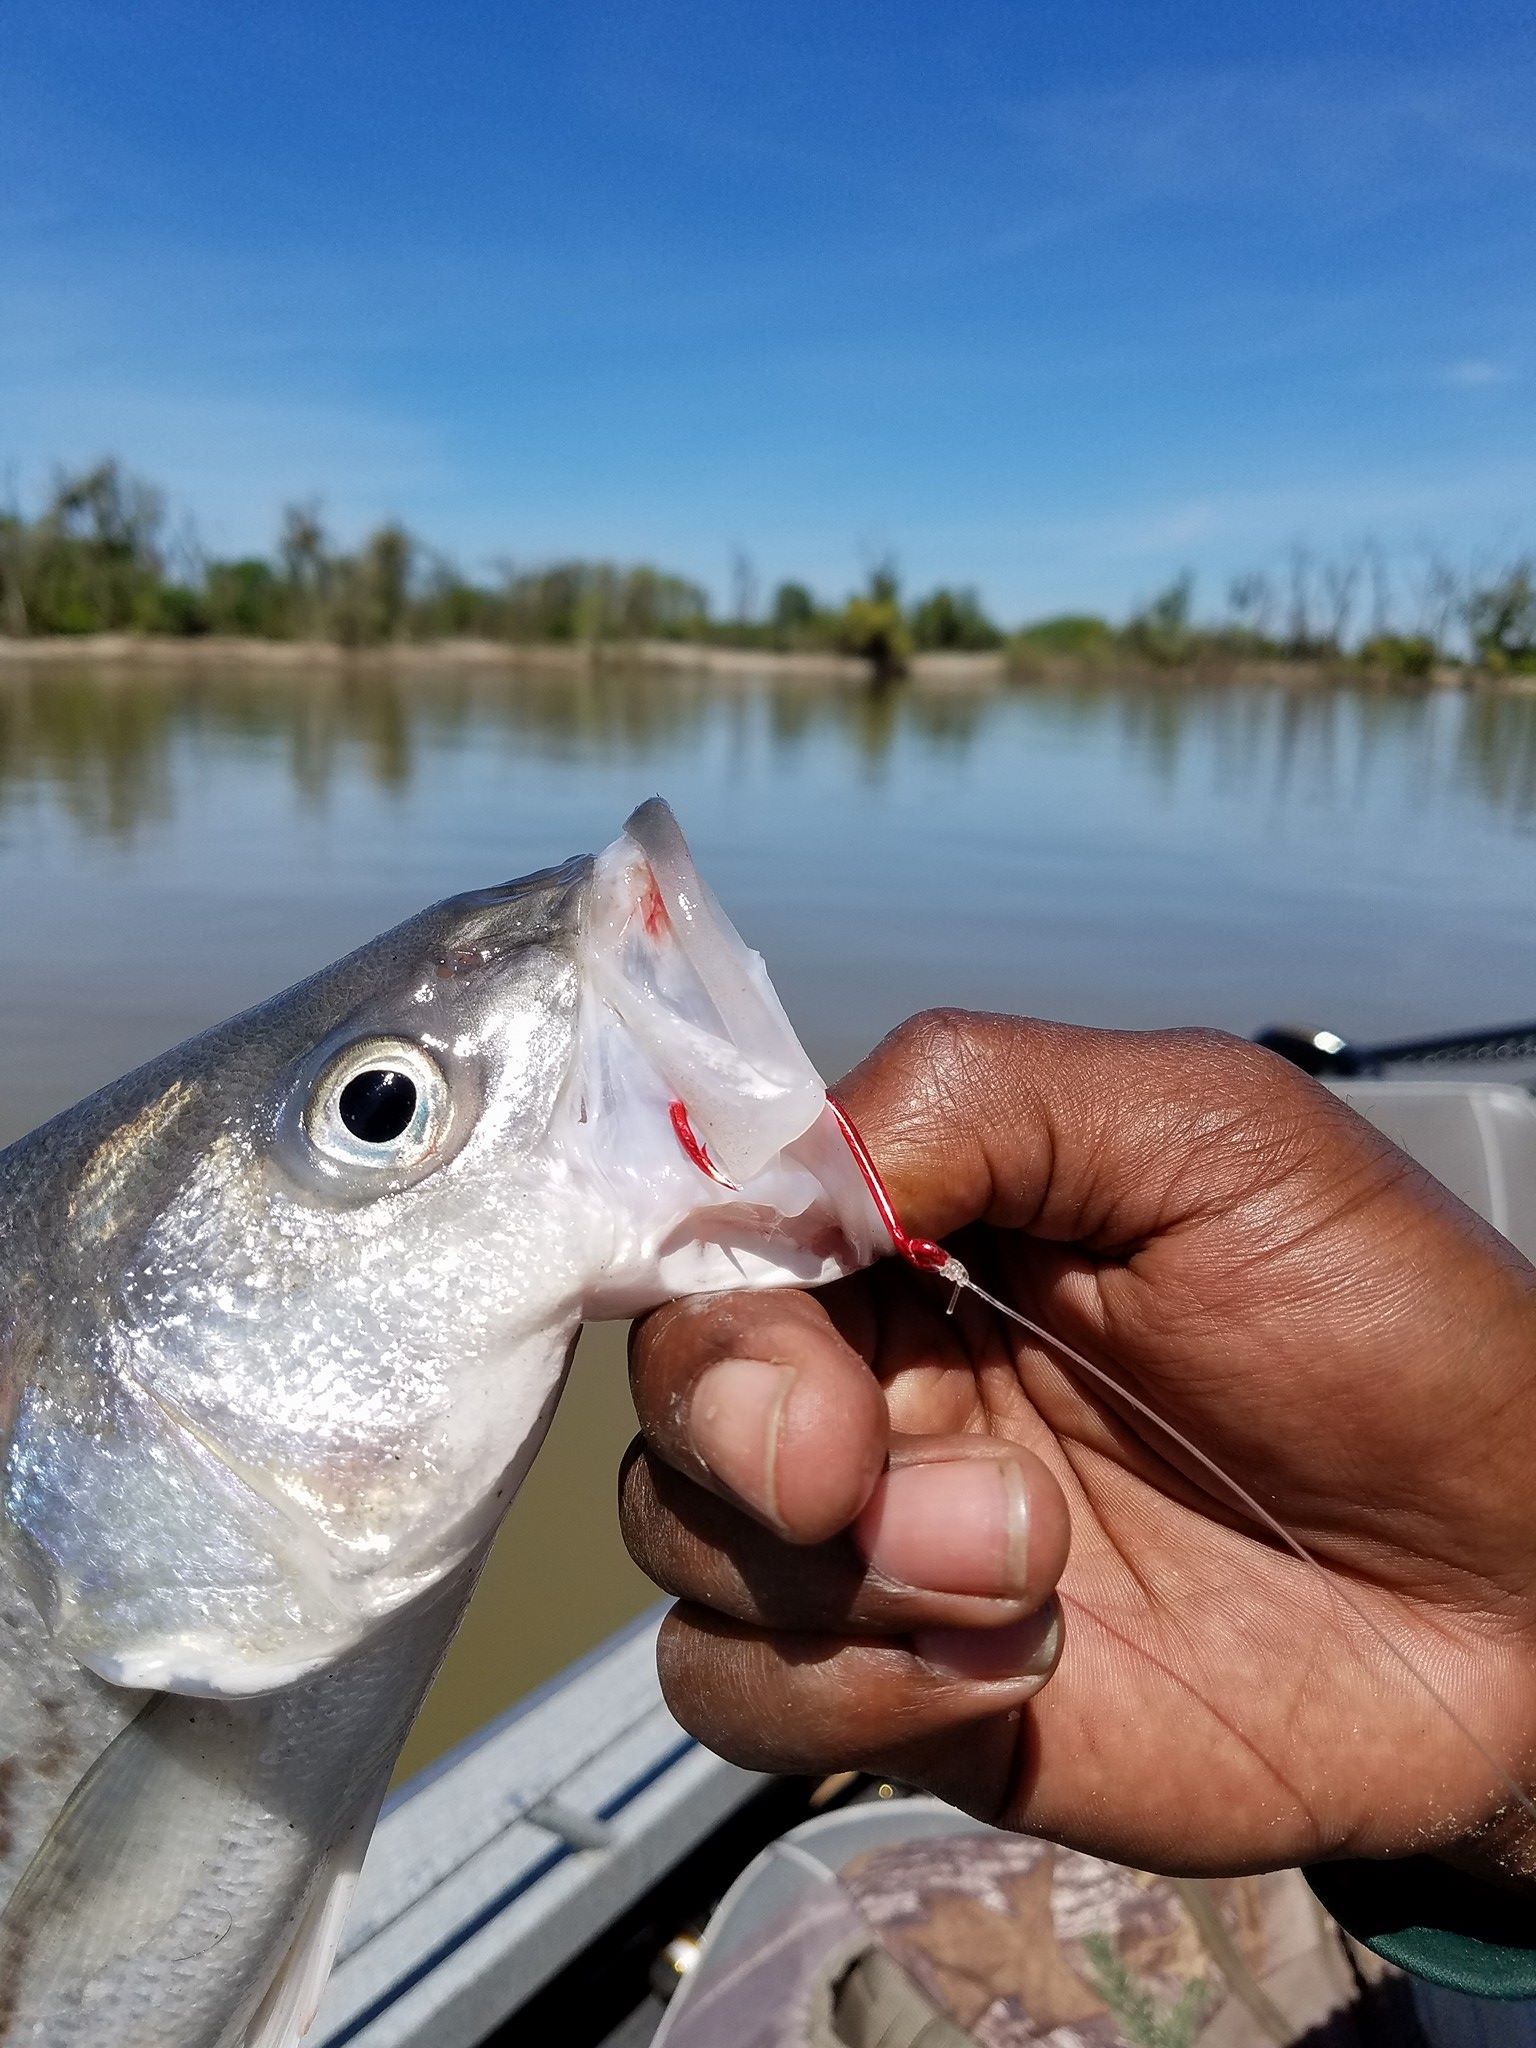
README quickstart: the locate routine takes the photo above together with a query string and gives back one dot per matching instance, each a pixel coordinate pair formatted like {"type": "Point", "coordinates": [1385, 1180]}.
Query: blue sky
{"type": "Point", "coordinates": [1054, 299]}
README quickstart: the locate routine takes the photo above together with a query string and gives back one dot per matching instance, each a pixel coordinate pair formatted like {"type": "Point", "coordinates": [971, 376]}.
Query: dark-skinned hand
{"type": "Point", "coordinates": [930, 1547]}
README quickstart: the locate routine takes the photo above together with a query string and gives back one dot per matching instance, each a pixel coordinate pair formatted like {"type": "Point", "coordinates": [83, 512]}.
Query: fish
{"type": "Point", "coordinates": [284, 1316]}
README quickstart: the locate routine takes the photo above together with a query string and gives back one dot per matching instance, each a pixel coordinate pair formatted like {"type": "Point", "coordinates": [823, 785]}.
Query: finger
{"type": "Point", "coordinates": [780, 1702]}
{"type": "Point", "coordinates": [961, 1532]}
{"type": "Point", "coordinates": [758, 1398]}
{"type": "Point", "coordinates": [1099, 1137]}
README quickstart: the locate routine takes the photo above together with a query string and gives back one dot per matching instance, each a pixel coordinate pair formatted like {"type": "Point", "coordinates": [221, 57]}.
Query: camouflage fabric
{"type": "Point", "coordinates": [906, 1926]}
{"type": "Point", "coordinates": [1014, 1942]}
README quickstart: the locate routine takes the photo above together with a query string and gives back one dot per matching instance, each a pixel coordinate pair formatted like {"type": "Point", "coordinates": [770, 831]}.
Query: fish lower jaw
{"type": "Point", "coordinates": [203, 1672]}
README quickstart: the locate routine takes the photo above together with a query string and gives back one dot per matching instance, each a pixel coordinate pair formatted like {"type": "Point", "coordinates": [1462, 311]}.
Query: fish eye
{"type": "Point", "coordinates": [382, 1103]}
{"type": "Point", "coordinates": [378, 1104]}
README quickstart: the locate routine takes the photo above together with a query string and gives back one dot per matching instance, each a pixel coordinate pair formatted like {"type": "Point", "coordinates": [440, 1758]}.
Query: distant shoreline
{"type": "Point", "coordinates": [966, 671]}
{"type": "Point", "coordinates": [560, 657]}
{"type": "Point", "coordinates": [95, 575]}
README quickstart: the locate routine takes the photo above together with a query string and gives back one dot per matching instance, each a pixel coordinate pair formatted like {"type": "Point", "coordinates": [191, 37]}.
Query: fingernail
{"type": "Point", "coordinates": [734, 1418]}
{"type": "Point", "coordinates": [1024, 1650]}
{"type": "Point", "coordinates": [957, 1526]}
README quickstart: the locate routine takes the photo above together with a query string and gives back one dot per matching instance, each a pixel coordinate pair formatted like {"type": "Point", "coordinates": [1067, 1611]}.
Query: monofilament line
{"type": "Point", "coordinates": [960, 1282]}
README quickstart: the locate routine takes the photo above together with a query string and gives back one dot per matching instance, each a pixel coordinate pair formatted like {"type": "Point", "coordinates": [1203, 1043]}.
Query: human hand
{"type": "Point", "coordinates": [865, 1507]}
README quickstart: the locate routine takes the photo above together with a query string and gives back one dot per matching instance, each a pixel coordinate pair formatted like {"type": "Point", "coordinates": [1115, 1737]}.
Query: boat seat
{"type": "Point", "coordinates": [1477, 1137]}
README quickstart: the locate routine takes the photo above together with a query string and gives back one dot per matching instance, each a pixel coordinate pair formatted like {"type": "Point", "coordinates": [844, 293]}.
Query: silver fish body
{"type": "Point", "coordinates": [209, 1840]}
{"type": "Point", "coordinates": [257, 1396]}
{"type": "Point", "coordinates": [283, 1319]}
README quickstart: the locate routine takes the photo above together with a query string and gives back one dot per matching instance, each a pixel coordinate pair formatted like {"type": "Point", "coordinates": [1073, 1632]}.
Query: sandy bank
{"type": "Point", "coordinates": [677, 657]}
{"type": "Point", "coordinates": [683, 657]}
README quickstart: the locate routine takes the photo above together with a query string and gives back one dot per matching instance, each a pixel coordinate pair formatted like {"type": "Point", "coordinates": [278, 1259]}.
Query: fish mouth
{"type": "Point", "coordinates": [693, 1096]}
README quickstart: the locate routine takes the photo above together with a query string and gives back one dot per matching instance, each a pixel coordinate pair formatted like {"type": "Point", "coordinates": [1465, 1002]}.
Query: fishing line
{"type": "Point", "coordinates": [928, 1257]}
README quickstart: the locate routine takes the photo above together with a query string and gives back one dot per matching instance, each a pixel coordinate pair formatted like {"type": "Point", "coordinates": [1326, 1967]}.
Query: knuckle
{"type": "Point", "coordinates": [696, 1682]}
{"type": "Point", "coordinates": [941, 1042]}
{"type": "Point", "coordinates": [638, 1512]}
{"type": "Point", "coordinates": [1236, 1065]}
{"type": "Point", "coordinates": [947, 1062]}
{"type": "Point", "coordinates": [650, 1530]}
{"type": "Point", "coordinates": [695, 1311]}
{"type": "Point", "coordinates": [734, 1695]}
{"type": "Point", "coordinates": [679, 1340]}
{"type": "Point", "coordinates": [657, 1539]}
{"type": "Point", "coordinates": [1228, 1077]}
{"type": "Point", "coordinates": [721, 1720]}
{"type": "Point", "coordinates": [654, 1338]}
{"type": "Point", "coordinates": [1255, 1120]}
{"type": "Point", "coordinates": [1204, 1049]}
{"type": "Point", "coordinates": [636, 1494]}
{"type": "Point", "coordinates": [674, 1347]}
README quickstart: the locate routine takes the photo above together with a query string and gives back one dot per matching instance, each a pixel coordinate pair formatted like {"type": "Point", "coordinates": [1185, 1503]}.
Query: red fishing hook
{"type": "Point", "coordinates": [693, 1146]}
{"type": "Point", "coordinates": [921, 1252]}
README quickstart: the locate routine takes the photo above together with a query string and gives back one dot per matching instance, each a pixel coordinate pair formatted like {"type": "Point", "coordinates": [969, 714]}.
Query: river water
{"type": "Point", "coordinates": [175, 845]}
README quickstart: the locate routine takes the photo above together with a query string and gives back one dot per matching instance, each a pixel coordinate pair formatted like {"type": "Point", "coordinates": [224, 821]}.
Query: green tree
{"type": "Point", "coordinates": [1501, 620]}
{"type": "Point", "coordinates": [1081, 634]}
{"type": "Point", "coordinates": [1409, 655]}
{"type": "Point", "coordinates": [448, 604]}
{"type": "Point", "coordinates": [14, 548]}
{"type": "Point", "coordinates": [387, 563]}
{"type": "Point", "coordinates": [793, 611]}
{"type": "Point", "coordinates": [654, 605]}
{"type": "Point", "coordinates": [873, 625]}
{"type": "Point", "coordinates": [178, 609]}
{"type": "Point", "coordinates": [1162, 631]}
{"type": "Point", "coordinates": [953, 620]}
{"type": "Point", "coordinates": [247, 597]}
{"type": "Point", "coordinates": [92, 561]}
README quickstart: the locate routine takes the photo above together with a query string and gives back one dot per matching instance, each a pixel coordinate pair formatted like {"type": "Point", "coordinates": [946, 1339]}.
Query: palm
{"type": "Point", "coordinates": [1215, 1689]}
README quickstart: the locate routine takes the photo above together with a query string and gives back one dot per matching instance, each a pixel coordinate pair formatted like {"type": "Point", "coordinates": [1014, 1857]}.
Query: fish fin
{"type": "Point", "coordinates": [288, 2010]}
{"type": "Point", "coordinates": [55, 1720]}
{"type": "Point", "coordinates": [140, 1891]}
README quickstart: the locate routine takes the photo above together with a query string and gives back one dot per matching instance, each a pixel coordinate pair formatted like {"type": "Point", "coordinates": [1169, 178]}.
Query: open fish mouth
{"type": "Point", "coordinates": [691, 1097]}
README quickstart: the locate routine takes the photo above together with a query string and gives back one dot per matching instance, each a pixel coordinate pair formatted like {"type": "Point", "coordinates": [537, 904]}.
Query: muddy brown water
{"type": "Point", "coordinates": [176, 845]}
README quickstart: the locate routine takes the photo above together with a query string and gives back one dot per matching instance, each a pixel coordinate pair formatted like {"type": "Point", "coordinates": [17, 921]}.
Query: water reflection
{"type": "Point", "coordinates": [1500, 754]}
{"type": "Point", "coordinates": [116, 745]}
{"type": "Point", "coordinates": [175, 844]}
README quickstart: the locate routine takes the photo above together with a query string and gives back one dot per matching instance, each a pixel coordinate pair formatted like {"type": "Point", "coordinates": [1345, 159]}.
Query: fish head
{"type": "Point", "coordinates": [284, 1315]}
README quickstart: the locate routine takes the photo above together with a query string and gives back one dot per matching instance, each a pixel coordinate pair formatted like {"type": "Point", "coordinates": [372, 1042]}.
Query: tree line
{"type": "Point", "coordinates": [101, 556]}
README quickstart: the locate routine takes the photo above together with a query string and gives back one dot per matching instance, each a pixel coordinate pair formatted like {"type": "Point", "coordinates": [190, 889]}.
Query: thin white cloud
{"type": "Point", "coordinates": [1477, 373]}
{"type": "Point", "coordinates": [1355, 138]}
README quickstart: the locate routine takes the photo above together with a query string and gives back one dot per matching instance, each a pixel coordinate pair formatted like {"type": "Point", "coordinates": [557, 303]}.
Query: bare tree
{"type": "Point", "coordinates": [1251, 601]}
{"type": "Point", "coordinates": [304, 554]}
{"type": "Point", "coordinates": [1380, 585]}
{"type": "Point", "coordinates": [185, 556]}
{"type": "Point", "coordinates": [1443, 601]}
{"type": "Point", "coordinates": [1299, 626]}
{"type": "Point", "coordinates": [744, 588]}
{"type": "Point", "coordinates": [1341, 582]}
